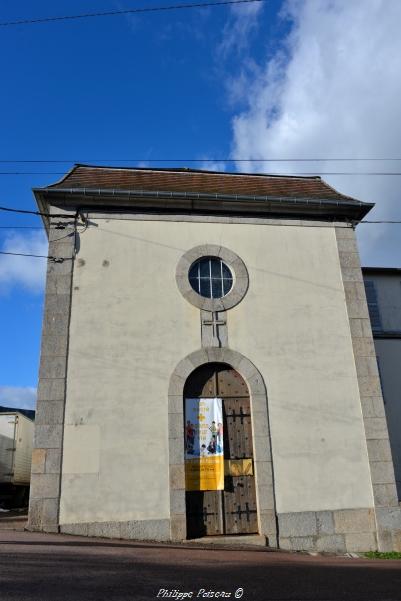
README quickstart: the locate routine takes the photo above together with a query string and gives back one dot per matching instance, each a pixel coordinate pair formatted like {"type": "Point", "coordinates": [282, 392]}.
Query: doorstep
{"type": "Point", "coordinates": [245, 539]}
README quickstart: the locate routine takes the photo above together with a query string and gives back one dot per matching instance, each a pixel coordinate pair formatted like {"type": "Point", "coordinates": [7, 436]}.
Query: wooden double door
{"type": "Point", "coordinates": [232, 510]}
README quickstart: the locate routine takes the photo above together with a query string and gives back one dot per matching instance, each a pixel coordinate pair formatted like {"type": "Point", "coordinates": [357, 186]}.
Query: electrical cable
{"type": "Point", "coordinates": [370, 222]}
{"type": "Point", "coordinates": [232, 160]}
{"type": "Point", "coordinates": [51, 258]}
{"type": "Point", "coordinates": [381, 221]}
{"type": "Point", "coordinates": [62, 259]}
{"type": "Point", "coordinates": [131, 11]}
{"type": "Point", "coordinates": [292, 174]}
{"type": "Point", "coordinates": [21, 227]}
{"type": "Point", "coordinates": [24, 211]}
{"type": "Point", "coordinates": [58, 216]}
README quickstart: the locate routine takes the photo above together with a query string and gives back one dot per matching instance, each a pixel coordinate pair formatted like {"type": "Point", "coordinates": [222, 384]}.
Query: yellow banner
{"type": "Point", "coordinates": [204, 446]}
{"type": "Point", "coordinates": [204, 473]}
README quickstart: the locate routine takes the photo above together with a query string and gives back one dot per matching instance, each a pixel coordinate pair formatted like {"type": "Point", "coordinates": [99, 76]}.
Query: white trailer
{"type": "Point", "coordinates": [16, 443]}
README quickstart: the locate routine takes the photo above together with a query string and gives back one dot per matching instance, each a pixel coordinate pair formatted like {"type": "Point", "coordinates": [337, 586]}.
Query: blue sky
{"type": "Point", "coordinates": [279, 79]}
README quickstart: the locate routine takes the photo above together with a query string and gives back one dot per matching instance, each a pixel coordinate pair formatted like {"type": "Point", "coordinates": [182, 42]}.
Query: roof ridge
{"type": "Point", "coordinates": [183, 170]}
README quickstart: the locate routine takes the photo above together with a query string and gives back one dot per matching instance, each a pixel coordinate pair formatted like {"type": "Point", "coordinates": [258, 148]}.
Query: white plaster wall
{"type": "Point", "coordinates": [294, 327]}
{"type": "Point", "coordinates": [130, 326]}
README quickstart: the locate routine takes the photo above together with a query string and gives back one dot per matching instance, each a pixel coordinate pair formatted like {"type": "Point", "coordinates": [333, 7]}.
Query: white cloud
{"type": "Point", "coordinates": [28, 272]}
{"type": "Point", "coordinates": [210, 165]}
{"type": "Point", "coordinates": [21, 397]}
{"type": "Point", "coordinates": [334, 92]}
{"type": "Point", "coordinates": [242, 22]}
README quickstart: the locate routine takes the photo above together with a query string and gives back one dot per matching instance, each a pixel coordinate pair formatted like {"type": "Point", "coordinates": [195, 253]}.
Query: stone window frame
{"type": "Point", "coordinates": [233, 261]}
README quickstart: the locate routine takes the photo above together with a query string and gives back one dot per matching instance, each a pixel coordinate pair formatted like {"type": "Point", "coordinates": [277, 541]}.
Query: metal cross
{"type": "Point", "coordinates": [215, 322]}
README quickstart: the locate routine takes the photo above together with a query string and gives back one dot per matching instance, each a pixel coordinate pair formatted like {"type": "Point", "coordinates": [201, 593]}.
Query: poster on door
{"type": "Point", "coordinates": [204, 449]}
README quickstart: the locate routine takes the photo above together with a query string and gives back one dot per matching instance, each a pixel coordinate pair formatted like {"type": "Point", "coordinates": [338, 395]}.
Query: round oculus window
{"type": "Point", "coordinates": [210, 277]}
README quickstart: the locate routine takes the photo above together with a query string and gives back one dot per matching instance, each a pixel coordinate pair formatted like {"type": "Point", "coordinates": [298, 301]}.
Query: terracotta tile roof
{"type": "Point", "coordinates": [191, 180]}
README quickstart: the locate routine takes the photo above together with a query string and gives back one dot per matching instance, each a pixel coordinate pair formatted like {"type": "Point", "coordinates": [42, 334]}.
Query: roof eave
{"type": "Point", "coordinates": [113, 199]}
{"type": "Point", "coordinates": [43, 207]}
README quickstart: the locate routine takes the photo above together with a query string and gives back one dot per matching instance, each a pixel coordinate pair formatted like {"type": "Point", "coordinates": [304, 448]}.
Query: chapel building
{"type": "Point", "coordinates": [207, 364]}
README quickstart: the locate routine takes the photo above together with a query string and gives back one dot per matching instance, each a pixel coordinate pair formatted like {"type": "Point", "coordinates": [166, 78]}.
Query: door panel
{"type": "Point", "coordinates": [232, 511]}
{"type": "Point", "coordinates": [239, 491]}
{"type": "Point", "coordinates": [202, 382]}
{"type": "Point", "coordinates": [230, 383]}
{"type": "Point", "coordinates": [240, 505]}
{"type": "Point", "coordinates": [237, 428]}
{"type": "Point", "coordinates": [204, 508]}
{"type": "Point", "coordinates": [204, 513]}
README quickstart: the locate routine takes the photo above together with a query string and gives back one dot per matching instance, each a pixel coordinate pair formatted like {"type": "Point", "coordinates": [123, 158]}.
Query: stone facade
{"type": "Point", "coordinates": [341, 531]}
{"type": "Point", "coordinates": [135, 530]}
{"type": "Point", "coordinates": [48, 442]}
{"type": "Point", "coordinates": [387, 510]}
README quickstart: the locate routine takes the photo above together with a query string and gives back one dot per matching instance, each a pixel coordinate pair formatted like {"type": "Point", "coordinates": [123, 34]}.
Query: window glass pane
{"type": "Point", "coordinates": [210, 277]}
{"type": "Point", "coordinates": [226, 272]}
{"type": "Point", "coordinates": [193, 272]}
{"type": "Point", "coordinates": [204, 268]}
{"type": "Point", "coordinates": [216, 268]}
{"type": "Point", "coordinates": [373, 305]}
{"type": "Point", "coordinates": [205, 287]}
{"type": "Point", "coordinates": [227, 285]}
{"type": "Point", "coordinates": [217, 288]}
{"type": "Point", "coordinates": [194, 283]}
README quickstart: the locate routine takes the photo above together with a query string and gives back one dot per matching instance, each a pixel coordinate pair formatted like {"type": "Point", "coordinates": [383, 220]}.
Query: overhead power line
{"type": "Point", "coordinates": [111, 13]}
{"type": "Point", "coordinates": [32, 172]}
{"type": "Point", "coordinates": [380, 221]}
{"type": "Point", "coordinates": [2, 252]}
{"type": "Point", "coordinates": [35, 227]}
{"type": "Point", "coordinates": [51, 258]}
{"type": "Point", "coordinates": [217, 160]}
{"type": "Point", "coordinates": [25, 211]}
{"type": "Point", "coordinates": [293, 173]}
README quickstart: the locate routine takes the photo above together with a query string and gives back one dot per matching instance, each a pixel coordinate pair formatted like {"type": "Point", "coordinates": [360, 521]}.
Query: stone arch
{"type": "Point", "coordinates": [261, 439]}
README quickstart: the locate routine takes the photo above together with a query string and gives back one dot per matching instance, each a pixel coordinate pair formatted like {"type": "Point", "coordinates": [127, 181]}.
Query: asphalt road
{"type": "Point", "coordinates": [41, 567]}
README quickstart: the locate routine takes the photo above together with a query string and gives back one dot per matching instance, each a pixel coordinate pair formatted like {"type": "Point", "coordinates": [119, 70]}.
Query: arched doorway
{"type": "Point", "coordinates": [231, 511]}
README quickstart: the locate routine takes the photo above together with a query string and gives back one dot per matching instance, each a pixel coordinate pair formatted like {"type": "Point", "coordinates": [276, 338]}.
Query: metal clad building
{"type": "Point", "coordinates": [383, 291]}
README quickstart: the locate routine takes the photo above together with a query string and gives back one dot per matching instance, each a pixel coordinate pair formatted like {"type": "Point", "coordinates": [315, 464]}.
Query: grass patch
{"type": "Point", "coordinates": [379, 555]}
